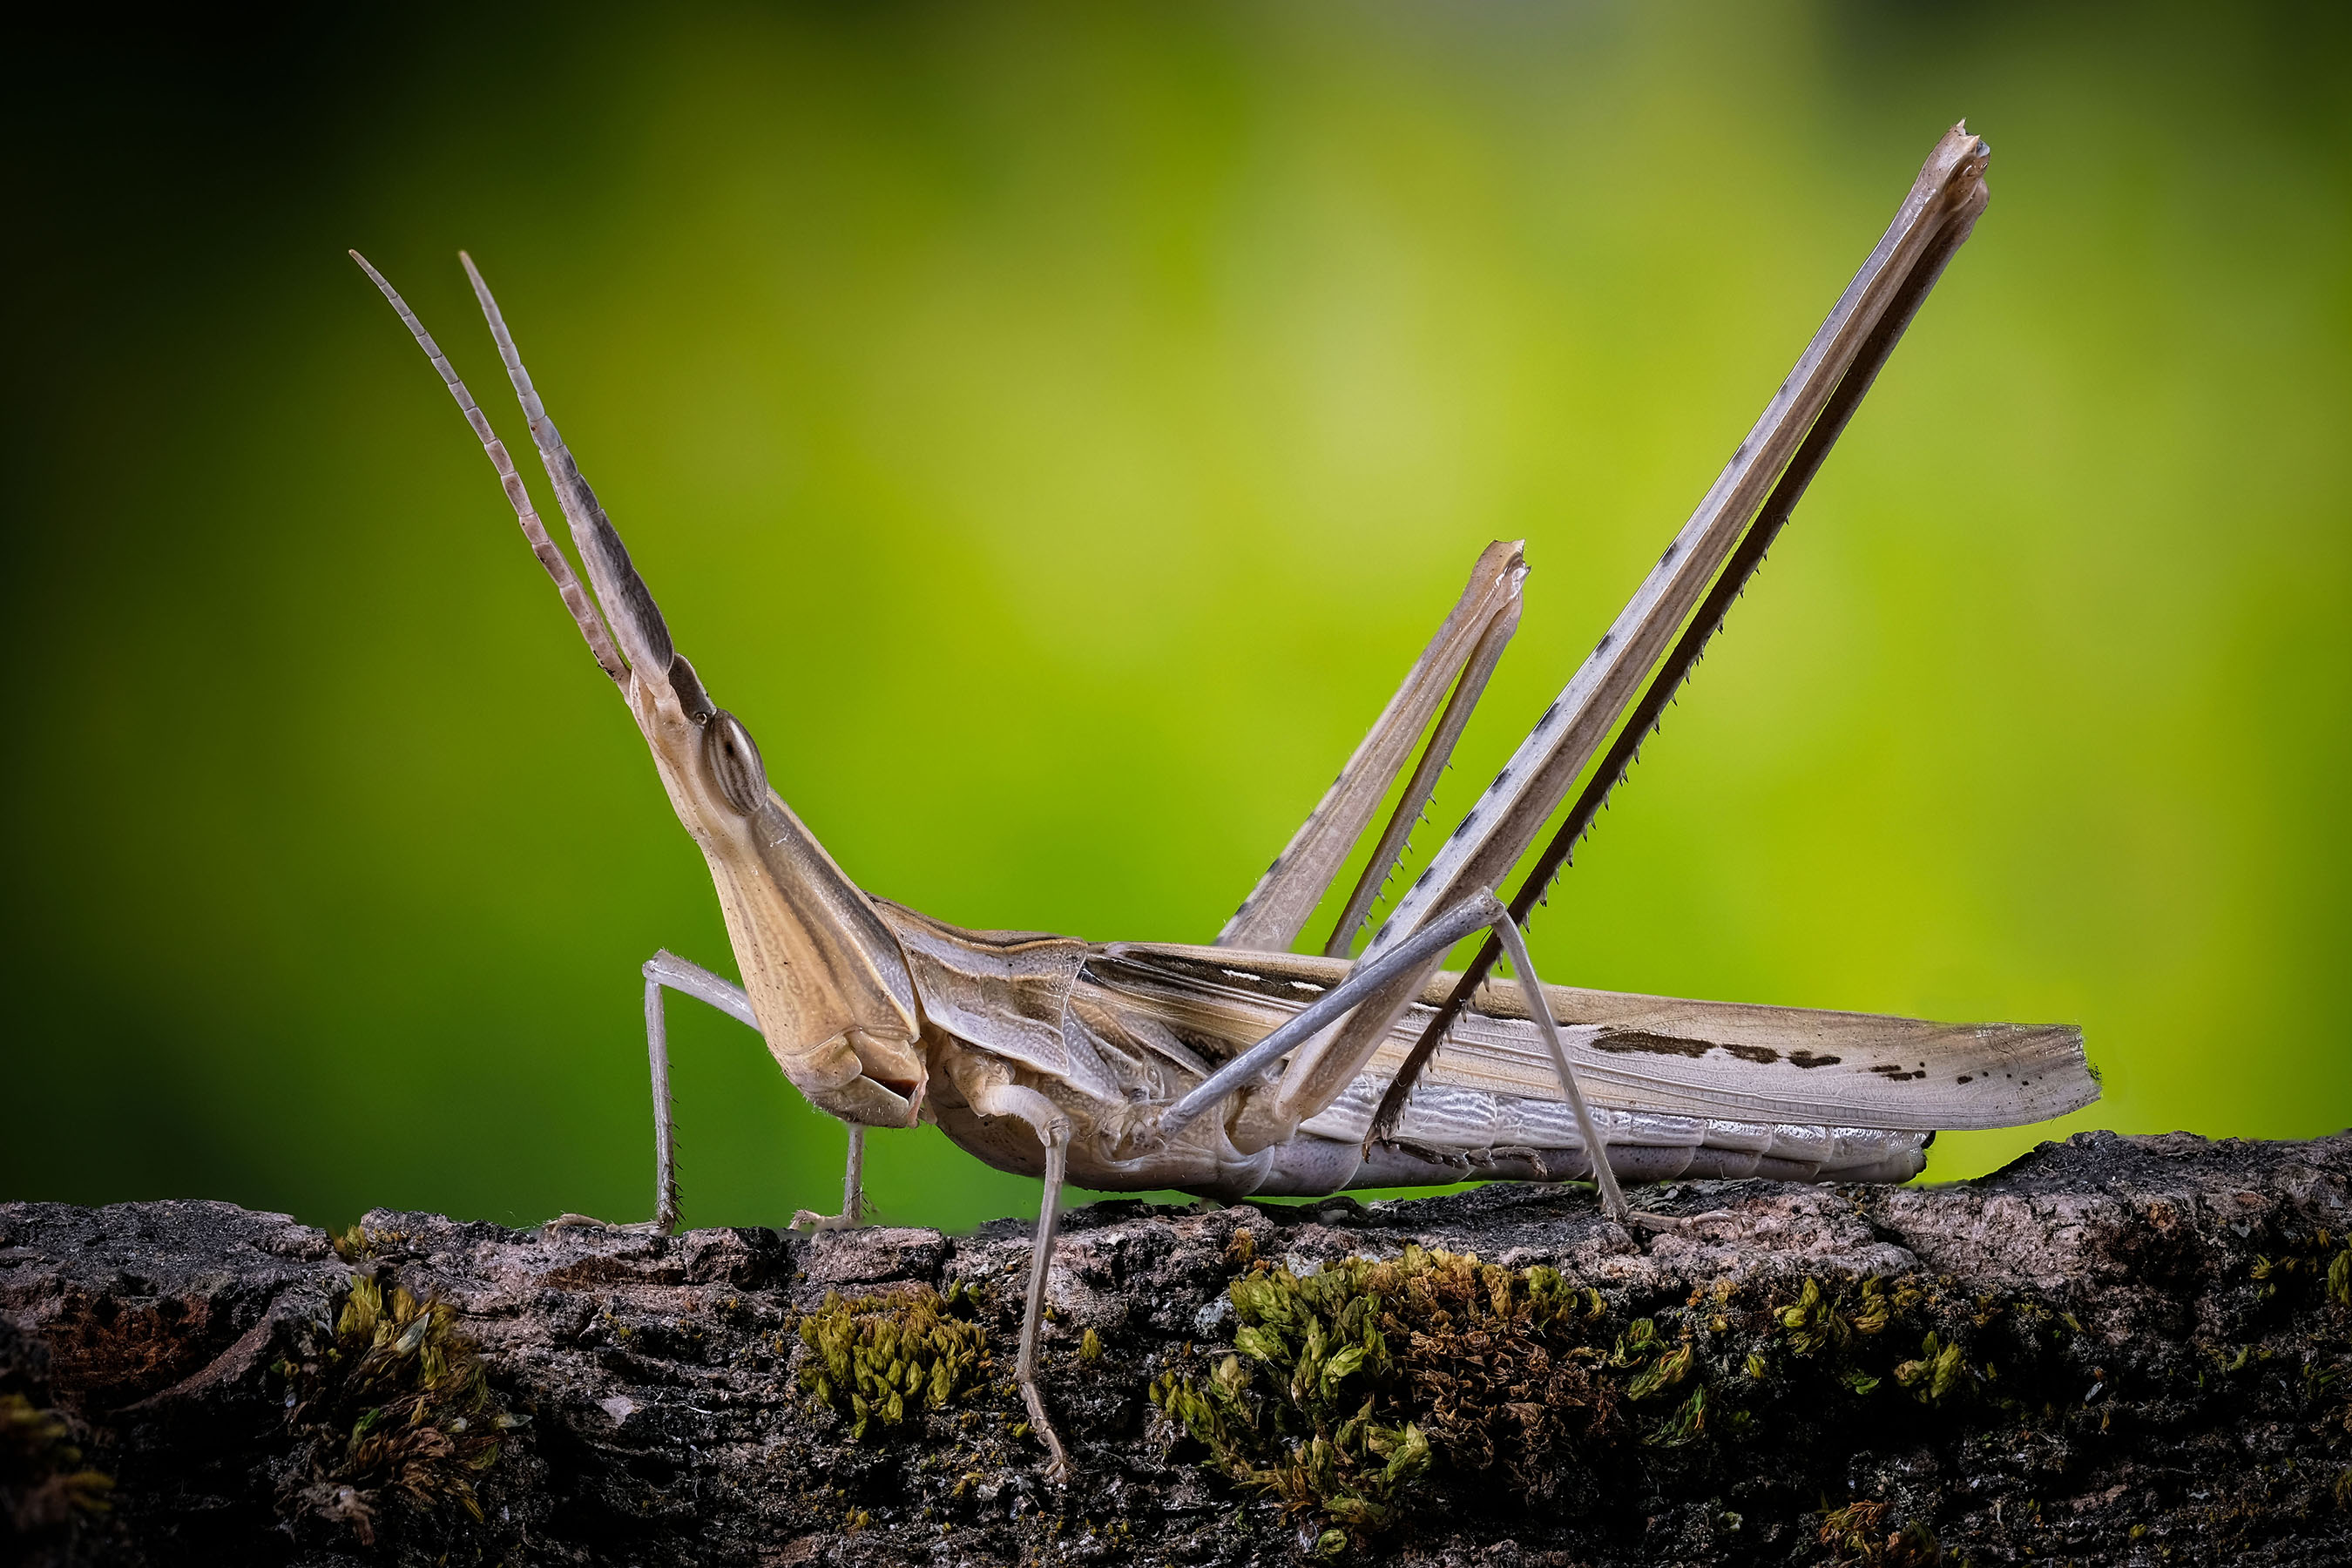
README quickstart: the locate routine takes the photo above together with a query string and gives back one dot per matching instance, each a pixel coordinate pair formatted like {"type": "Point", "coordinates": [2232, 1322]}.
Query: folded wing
{"type": "Point", "coordinates": [1725, 1060]}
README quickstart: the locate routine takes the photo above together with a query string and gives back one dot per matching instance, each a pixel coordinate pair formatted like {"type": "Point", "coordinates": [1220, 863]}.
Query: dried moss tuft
{"type": "Point", "coordinates": [1858, 1534]}
{"type": "Point", "coordinates": [360, 1245]}
{"type": "Point", "coordinates": [391, 1413]}
{"type": "Point", "coordinates": [43, 1482]}
{"type": "Point", "coordinates": [883, 1360]}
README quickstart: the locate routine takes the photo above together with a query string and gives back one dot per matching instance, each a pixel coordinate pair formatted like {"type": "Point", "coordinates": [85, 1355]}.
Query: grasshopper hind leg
{"type": "Point", "coordinates": [1459, 659]}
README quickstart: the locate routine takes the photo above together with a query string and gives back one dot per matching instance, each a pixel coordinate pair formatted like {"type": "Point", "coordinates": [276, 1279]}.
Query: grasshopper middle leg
{"type": "Point", "coordinates": [1052, 1129]}
{"type": "Point", "coordinates": [1479, 911]}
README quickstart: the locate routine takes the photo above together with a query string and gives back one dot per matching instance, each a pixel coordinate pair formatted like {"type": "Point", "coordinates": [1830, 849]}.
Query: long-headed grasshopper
{"type": "Point", "coordinates": [1244, 1067]}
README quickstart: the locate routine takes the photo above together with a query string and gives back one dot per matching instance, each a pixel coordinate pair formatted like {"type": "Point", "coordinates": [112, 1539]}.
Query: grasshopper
{"type": "Point", "coordinates": [1243, 1068]}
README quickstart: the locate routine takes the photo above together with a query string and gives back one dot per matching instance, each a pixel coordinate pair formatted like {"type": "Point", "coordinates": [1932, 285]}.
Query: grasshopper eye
{"type": "Point", "coordinates": [734, 759]}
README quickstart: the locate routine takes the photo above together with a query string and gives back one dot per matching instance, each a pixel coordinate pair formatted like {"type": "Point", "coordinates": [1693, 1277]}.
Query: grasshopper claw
{"type": "Point", "coordinates": [1058, 1469]}
{"type": "Point", "coordinates": [853, 1193]}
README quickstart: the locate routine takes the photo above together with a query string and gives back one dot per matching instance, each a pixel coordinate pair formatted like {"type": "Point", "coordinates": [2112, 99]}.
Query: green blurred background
{"type": "Point", "coordinates": [1054, 428]}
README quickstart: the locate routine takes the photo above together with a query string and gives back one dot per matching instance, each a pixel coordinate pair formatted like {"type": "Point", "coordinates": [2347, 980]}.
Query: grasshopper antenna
{"type": "Point", "coordinates": [550, 556]}
{"type": "Point", "coordinates": [638, 623]}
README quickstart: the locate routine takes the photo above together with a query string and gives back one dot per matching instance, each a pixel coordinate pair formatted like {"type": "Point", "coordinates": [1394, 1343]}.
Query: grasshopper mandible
{"type": "Point", "coordinates": [1243, 1068]}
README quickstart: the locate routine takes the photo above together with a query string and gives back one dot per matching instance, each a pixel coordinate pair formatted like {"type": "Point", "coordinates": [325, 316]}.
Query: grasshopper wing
{"type": "Point", "coordinates": [1725, 1059]}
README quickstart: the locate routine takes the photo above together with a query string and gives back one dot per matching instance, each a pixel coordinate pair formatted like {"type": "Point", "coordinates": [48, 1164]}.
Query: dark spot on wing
{"type": "Point", "coordinates": [1894, 1073]}
{"type": "Point", "coordinates": [1807, 1059]}
{"type": "Point", "coordinates": [1621, 1040]}
{"type": "Point", "coordinates": [1965, 1078]}
{"type": "Point", "coordinates": [1625, 1040]}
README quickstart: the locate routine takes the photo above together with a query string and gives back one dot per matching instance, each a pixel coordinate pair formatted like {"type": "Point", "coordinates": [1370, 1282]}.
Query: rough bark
{"type": "Point", "coordinates": [2139, 1344]}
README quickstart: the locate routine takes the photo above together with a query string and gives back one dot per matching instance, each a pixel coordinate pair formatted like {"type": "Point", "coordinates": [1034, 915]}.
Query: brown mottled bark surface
{"type": "Point", "coordinates": [2139, 1358]}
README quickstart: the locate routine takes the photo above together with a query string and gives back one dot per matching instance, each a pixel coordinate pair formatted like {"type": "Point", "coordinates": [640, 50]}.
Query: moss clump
{"type": "Point", "coordinates": [881, 1360]}
{"type": "Point", "coordinates": [2009, 1355]}
{"type": "Point", "coordinates": [49, 1494]}
{"type": "Point", "coordinates": [1858, 1534]}
{"type": "Point", "coordinates": [1818, 1321]}
{"type": "Point", "coordinates": [360, 1245]}
{"type": "Point", "coordinates": [1433, 1382]}
{"type": "Point", "coordinates": [1349, 1383]}
{"type": "Point", "coordinates": [1347, 1387]}
{"type": "Point", "coordinates": [2318, 1257]}
{"type": "Point", "coordinates": [43, 1482]}
{"type": "Point", "coordinates": [390, 1409]}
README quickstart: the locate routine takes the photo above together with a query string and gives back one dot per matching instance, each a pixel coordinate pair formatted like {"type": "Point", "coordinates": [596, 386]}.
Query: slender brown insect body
{"type": "Point", "coordinates": [1243, 1068]}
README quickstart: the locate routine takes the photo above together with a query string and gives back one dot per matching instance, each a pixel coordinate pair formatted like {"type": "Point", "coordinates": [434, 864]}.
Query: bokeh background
{"type": "Point", "coordinates": [1054, 428]}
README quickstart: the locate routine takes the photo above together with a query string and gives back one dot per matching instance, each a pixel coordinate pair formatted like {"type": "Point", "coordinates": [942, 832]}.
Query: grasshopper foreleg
{"type": "Point", "coordinates": [665, 971]}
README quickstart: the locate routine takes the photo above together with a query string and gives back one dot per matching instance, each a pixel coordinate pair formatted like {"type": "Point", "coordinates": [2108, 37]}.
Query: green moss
{"type": "Point", "coordinates": [389, 1410]}
{"type": "Point", "coordinates": [882, 1359]}
{"type": "Point", "coordinates": [1432, 1381]}
{"type": "Point", "coordinates": [1349, 1387]}
{"type": "Point", "coordinates": [1818, 1320]}
{"type": "Point", "coordinates": [1939, 1371]}
{"type": "Point", "coordinates": [2307, 1262]}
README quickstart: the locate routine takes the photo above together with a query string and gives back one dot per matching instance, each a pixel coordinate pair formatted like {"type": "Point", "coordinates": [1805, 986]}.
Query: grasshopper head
{"type": "Point", "coordinates": [825, 977]}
